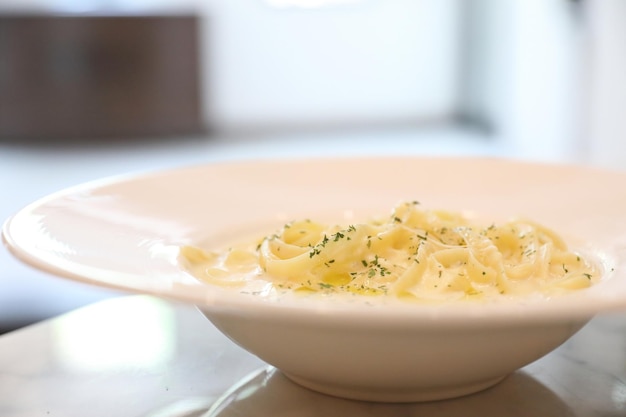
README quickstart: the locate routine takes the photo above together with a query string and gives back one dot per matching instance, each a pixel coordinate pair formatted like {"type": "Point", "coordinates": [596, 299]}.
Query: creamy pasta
{"type": "Point", "coordinates": [413, 254]}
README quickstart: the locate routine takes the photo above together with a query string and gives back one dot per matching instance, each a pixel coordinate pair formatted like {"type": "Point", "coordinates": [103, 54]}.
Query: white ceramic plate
{"type": "Point", "coordinates": [125, 233]}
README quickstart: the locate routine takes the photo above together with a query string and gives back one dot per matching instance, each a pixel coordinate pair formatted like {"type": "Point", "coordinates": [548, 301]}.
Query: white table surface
{"type": "Point", "coordinates": [142, 356]}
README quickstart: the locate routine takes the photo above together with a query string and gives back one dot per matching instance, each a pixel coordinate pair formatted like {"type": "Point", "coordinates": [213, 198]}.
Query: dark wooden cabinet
{"type": "Point", "coordinates": [99, 76]}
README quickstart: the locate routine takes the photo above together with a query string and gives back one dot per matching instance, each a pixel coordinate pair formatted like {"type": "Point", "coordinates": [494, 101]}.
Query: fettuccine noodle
{"type": "Point", "coordinates": [414, 254]}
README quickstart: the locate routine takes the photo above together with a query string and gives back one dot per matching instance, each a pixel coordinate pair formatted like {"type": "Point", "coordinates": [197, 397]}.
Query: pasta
{"type": "Point", "coordinates": [413, 254]}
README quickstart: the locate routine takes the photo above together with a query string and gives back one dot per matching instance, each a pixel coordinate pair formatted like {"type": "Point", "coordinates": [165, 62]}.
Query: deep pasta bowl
{"type": "Point", "coordinates": [127, 233]}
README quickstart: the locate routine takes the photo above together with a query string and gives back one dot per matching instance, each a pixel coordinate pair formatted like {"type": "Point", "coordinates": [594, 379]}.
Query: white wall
{"type": "Point", "coordinates": [606, 99]}
{"type": "Point", "coordinates": [368, 61]}
{"type": "Point", "coordinates": [547, 85]}
{"type": "Point", "coordinates": [526, 75]}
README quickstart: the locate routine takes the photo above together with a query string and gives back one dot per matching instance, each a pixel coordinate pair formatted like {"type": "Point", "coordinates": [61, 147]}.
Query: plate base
{"type": "Point", "coordinates": [395, 396]}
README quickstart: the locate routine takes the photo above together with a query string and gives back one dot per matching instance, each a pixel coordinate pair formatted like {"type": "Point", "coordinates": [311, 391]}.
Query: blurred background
{"type": "Point", "coordinates": [95, 88]}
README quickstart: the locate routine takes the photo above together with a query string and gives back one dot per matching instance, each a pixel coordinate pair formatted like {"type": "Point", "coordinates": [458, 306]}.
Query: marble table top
{"type": "Point", "coordinates": [141, 356]}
